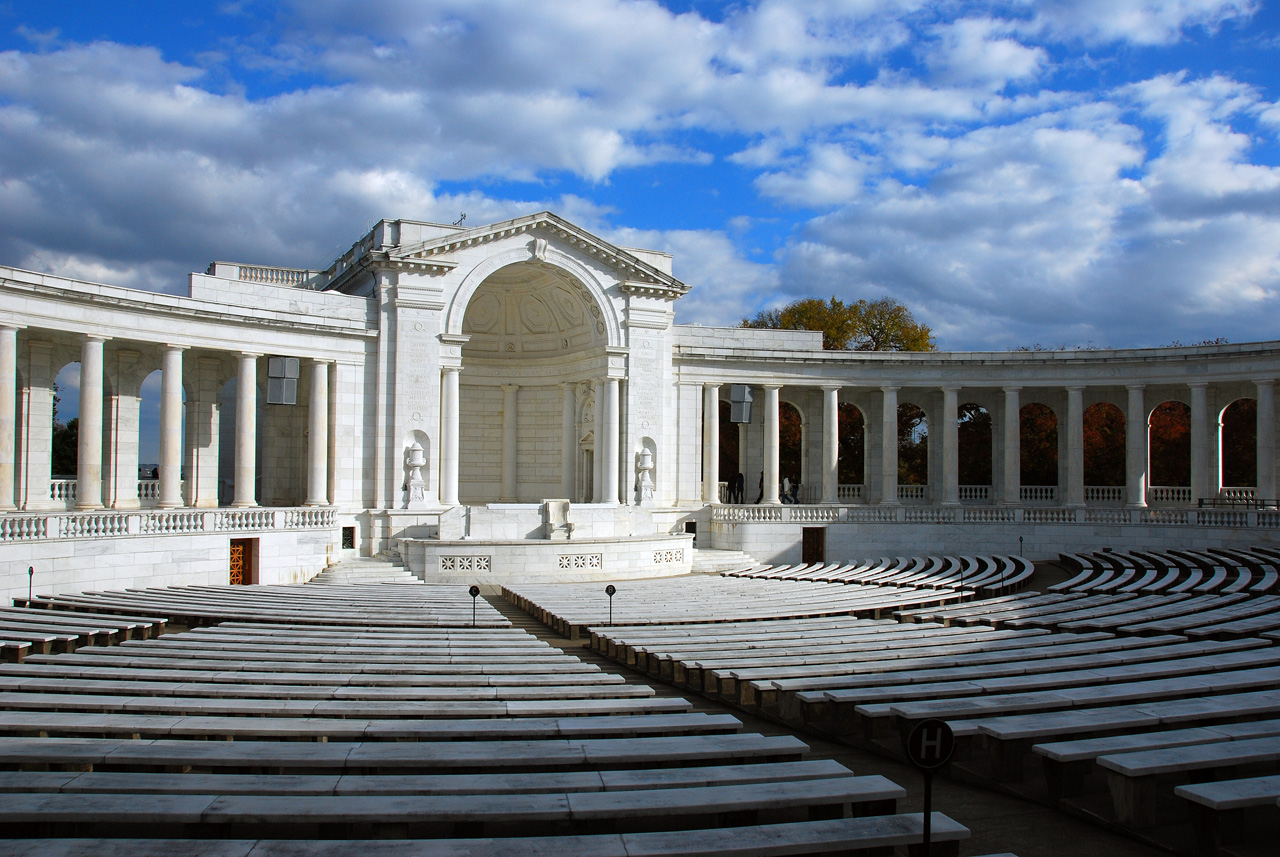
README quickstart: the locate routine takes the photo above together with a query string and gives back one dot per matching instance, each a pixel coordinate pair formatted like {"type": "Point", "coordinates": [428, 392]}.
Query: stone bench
{"type": "Point", "coordinates": [870, 835]}
{"type": "Point", "coordinates": [108, 782]}
{"type": "Point", "coordinates": [14, 651]}
{"type": "Point", "coordinates": [1068, 764]}
{"type": "Point", "coordinates": [476, 814]}
{"type": "Point", "coordinates": [400, 757]}
{"type": "Point", "coordinates": [1233, 811]}
{"type": "Point", "coordinates": [465, 708]}
{"type": "Point", "coordinates": [1141, 783]}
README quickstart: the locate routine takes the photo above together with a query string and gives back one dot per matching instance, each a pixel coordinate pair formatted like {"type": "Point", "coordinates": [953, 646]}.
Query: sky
{"type": "Point", "coordinates": [1064, 173]}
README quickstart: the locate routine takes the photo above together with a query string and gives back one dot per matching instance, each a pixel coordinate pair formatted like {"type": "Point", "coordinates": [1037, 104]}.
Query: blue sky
{"type": "Point", "coordinates": [1100, 172]}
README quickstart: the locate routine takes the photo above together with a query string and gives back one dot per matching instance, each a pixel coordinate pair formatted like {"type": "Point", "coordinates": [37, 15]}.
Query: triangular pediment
{"type": "Point", "coordinates": [635, 274]}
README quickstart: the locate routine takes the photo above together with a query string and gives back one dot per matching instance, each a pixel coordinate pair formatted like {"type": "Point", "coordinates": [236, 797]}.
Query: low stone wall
{"type": "Point", "coordinates": [539, 560]}
{"type": "Point", "coordinates": [779, 542]}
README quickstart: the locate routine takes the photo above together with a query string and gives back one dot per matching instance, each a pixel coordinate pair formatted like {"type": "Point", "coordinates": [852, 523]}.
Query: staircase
{"type": "Point", "coordinates": [708, 561]}
{"type": "Point", "coordinates": [383, 568]}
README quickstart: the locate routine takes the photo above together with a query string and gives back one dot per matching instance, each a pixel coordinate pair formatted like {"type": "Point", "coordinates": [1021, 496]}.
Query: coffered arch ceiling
{"type": "Point", "coordinates": [532, 311]}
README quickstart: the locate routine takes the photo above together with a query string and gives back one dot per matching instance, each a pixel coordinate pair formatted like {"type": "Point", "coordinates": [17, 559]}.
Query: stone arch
{"type": "Point", "coordinates": [1038, 443]}
{"type": "Point", "coordinates": [553, 257]}
{"type": "Point", "coordinates": [973, 441]}
{"type": "Point", "coordinates": [1104, 445]}
{"type": "Point", "coordinates": [851, 457]}
{"type": "Point", "coordinates": [913, 444]}
{"type": "Point", "coordinates": [791, 442]}
{"type": "Point", "coordinates": [1169, 444]}
{"type": "Point", "coordinates": [1238, 443]}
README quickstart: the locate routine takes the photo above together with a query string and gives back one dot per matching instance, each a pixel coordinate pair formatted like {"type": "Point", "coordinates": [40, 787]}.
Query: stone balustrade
{"type": "Point", "coordinates": [89, 525]}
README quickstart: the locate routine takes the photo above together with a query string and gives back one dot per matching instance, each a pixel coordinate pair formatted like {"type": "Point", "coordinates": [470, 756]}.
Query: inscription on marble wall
{"type": "Point", "coordinates": [645, 382]}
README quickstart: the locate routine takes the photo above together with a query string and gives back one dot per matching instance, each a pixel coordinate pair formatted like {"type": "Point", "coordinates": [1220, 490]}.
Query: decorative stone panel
{"type": "Point", "coordinates": [581, 560]}
{"type": "Point", "coordinates": [465, 563]}
{"type": "Point", "coordinates": [666, 557]}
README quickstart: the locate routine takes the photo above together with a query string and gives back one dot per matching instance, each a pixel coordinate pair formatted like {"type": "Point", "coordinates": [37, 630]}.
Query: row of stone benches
{"type": "Point", "coordinates": [25, 631]}
{"type": "Point", "coordinates": [981, 575]}
{"type": "Point", "coordinates": [1197, 616]}
{"type": "Point", "coordinates": [1004, 690]}
{"type": "Point", "coordinates": [361, 728]}
{"type": "Point", "coordinates": [1252, 571]}
{"type": "Point", "coordinates": [378, 606]}
{"type": "Point", "coordinates": [571, 609]}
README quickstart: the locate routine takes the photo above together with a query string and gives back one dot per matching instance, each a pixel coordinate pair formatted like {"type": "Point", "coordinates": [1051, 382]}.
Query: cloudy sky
{"type": "Point", "coordinates": [1063, 172]}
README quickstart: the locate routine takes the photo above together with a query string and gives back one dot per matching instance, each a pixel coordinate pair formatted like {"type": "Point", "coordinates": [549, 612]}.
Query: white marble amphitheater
{"type": "Point", "coordinates": [513, 402]}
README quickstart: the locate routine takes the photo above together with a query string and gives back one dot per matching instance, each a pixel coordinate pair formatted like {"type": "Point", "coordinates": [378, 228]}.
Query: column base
{"type": "Point", "coordinates": [89, 507]}
{"type": "Point", "coordinates": [244, 504]}
{"type": "Point", "coordinates": [314, 503]}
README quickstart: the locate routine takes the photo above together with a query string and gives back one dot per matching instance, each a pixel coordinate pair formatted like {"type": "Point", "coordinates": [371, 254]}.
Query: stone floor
{"type": "Point", "coordinates": [999, 822]}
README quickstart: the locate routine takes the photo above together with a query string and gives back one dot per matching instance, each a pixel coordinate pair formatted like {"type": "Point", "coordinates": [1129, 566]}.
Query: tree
{"type": "Point", "coordinates": [881, 325]}
{"type": "Point", "coordinates": [65, 444]}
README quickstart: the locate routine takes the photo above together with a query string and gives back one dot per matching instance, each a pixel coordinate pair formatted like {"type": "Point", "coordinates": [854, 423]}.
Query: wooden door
{"type": "Point", "coordinates": [813, 544]}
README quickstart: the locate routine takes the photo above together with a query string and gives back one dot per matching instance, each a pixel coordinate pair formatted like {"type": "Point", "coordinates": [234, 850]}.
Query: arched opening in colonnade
{"type": "Point", "coordinates": [1038, 444]}
{"type": "Point", "coordinates": [852, 451]}
{"type": "Point", "coordinates": [148, 437]}
{"type": "Point", "coordinates": [64, 452]}
{"type": "Point", "coordinates": [1239, 444]}
{"type": "Point", "coordinates": [730, 452]}
{"type": "Point", "coordinates": [533, 359]}
{"type": "Point", "coordinates": [791, 438]}
{"type": "Point", "coordinates": [973, 441]}
{"type": "Point", "coordinates": [913, 446]}
{"type": "Point", "coordinates": [1169, 439]}
{"type": "Point", "coordinates": [1104, 447]}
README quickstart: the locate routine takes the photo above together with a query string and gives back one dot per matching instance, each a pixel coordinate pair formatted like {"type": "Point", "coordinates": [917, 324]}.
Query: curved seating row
{"type": "Point", "coordinates": [1118, 704]}
{"type": "Point", "coordinates": [571, 608]}
{"type": "Point", "coordinates": [338, 722]}
{"type": "Point", "coordinates": [1253, 571]}
{"type": "Point", "coordinates": [980, 575]}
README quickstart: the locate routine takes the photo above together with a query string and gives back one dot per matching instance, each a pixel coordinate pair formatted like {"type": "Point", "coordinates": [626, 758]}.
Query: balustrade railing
{"type": "Point", "coordinates": [24, 526]}
{"type": "Point", "coordinates": [1238, 493]}
{"type": "Point", "coordinates": [1169, 495]}
{"type": "Point", "coordinates": [274, 276]}
{"type": "Point", "coordinates": [913, 492]}
{"type": "Point", "coordinates": [1039, 493]}
{"type": "Point", "coordinates": [1104, 493]}
{"type": "Point", "coordinates": [848, 492]}
{"type": "Point", "coordinates": [63, 491]}
{"type": "Point", "coordinates": [975, 493]}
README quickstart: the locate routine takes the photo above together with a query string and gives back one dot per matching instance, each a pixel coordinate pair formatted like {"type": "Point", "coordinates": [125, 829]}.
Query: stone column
{"type": "Point", "coordinates": [171, 428]}
{"type": "Point", "coordinates": [568, 442]}
{"type": "Point", "coordinates": [889, 447]}
{"type": "Point", "coordinates": [1200, 487]}
{"type": "Point", "coordinates": [1135, 442]}
{"type": "Point", "coordinates": [89, 471]}
{"type": "Point", "coordinates": [711, 443]}
{"type": "Point", "coordinates": [950, 446]}
{"type": "Point", "coordinates": [8, 415]}
{"type": "Point", "coordinates": [1075, 446]}
{"type": "Point", "coordinates": [609, 429]}
{"type": "Point", "coordinates": [1266, 440]}
{"type": "Point", "coordinates": [246, 430]}
{"type": "Point", "coordinates": [1012, 447]}
{"type": "Point", "coordinates": [318, 435]}
{"type": "Point", "coordinates": [830, 444]}
{"type": "Point", "coordinates": [772, 457]}
{"type": "Point", "coordinates": [508, 492]}
{"type": "Point", "coordinates": [450, 423]}
{"type": "Point", "coordinates": [597, 456]}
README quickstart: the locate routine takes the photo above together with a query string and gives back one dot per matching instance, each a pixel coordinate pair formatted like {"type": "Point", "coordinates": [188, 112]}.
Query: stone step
{"type": "Point", "coordinates": [710, 561]}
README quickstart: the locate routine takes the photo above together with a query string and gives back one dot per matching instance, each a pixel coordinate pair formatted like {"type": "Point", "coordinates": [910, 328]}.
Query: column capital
{"type": "Point", "coordinates": [1197, 385]}
{"type": "Point", "coordinates": [12, 325]}
{"type": "Point", "coordinates": [172, 346]}
{"type": "Point", "coordinates": [1075, 388]}
{"type": "Point", "coordinates": [319, 361]}
{"type": "Point", "coordinates": [1135, 388]}
{"type": "Point", "coordinates": [95, 337]}
{"type": "Point", "coordinates": [1264, 382]}
{"type": "Point", "coordinates": [773, 386]}
{"type": "Point", "coordinates": [890, 388]}
{"type": "Point", "coordinates": [950, 388]}
{"type": "Point", "coordinates": [827, 388]}
{"type": "Point", "coordinates": [248, 355]}
{"type": "Point", "coordinates": [1012, 389]}
{"type": "Point", "coordinates": [510, 388]}
{"type": "Point", "coordinates": [455, 370]}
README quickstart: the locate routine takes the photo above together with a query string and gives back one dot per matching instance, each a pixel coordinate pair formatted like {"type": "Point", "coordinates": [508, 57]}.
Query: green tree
{"type": "Point", "coordinates": [66, 448]}
{"type": "Point", "coordinates": [881, 325]}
